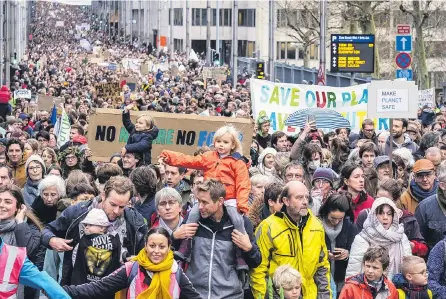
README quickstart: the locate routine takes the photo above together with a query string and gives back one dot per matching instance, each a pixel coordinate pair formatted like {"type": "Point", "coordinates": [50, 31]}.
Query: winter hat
{"type": "Point", "coordinates": [35, 158]}
{"type": "Point", "coordinates": [412, 127]}
{"type": "Point", "coordinates": [423, 165]}
{"type": "Point", "coordinates": [324, 174]}
{"type": "Point", "coordinates": [381, 160]}
{"type": "Point", "coordinates": [266, 151]}
{"type": "Point", "coordinates": [96, 217]}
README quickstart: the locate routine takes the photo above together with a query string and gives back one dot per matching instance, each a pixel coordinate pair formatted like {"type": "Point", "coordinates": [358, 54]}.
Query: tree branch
{"type": "Point", "coordinates": [404, 10]}
{"type": "Point", "coordinates": [354, 4]}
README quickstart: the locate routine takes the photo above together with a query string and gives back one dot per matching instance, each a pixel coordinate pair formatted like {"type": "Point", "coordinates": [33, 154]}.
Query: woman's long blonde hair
{"type": "Point", "coordinates": [231, 130]}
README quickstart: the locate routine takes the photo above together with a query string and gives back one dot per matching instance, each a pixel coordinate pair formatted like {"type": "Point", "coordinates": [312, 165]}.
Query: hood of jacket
{"type": "Point", "coordinates": [406, 143]}
{"type": "Point", "coordinates": [399, 281]}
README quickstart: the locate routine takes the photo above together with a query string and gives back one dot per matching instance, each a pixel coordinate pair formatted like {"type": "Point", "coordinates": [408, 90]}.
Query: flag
{"type": "Point", "coordinates": [63, 136]}
{"type": "Point", "coordinates": [53, 118]}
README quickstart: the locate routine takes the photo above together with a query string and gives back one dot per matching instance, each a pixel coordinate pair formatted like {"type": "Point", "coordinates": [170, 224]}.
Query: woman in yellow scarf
{"type": "Point", "coordinates": [152, 274]}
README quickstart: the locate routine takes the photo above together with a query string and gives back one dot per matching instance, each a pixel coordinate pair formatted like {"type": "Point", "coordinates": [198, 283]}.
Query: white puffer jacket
{"type": "Point", "coordinates": [361, 242]}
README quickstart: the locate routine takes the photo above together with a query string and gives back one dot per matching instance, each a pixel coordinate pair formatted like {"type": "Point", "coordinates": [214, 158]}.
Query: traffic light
{"type": "Point", "coordinates": [260, 70]}
{"type": "Point", "coordinates": [216, 58]}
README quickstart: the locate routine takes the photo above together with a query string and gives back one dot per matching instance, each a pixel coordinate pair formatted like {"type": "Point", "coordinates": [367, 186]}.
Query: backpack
{"type": "Point", "coordinates": [402, 295]}
{"type": "Point", "coordinates": [134, 271]}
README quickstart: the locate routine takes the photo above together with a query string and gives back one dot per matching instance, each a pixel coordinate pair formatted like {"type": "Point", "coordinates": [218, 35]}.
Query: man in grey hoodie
{"type": "Point", "coordinates": [400, 138]}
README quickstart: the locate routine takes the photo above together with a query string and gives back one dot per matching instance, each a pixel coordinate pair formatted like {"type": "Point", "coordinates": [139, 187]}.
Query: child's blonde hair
{"type": "Point", "coordinates": [285, 275]}
{"type": "Point", "coordinates": [234, 136]}
{"type": "Point", "coordinates": [409, 262]}
{"type": "Point", "coordinates": [147, 119]}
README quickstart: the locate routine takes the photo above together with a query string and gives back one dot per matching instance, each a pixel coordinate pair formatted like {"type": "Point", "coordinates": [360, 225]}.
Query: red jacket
{"type": "Point", "coordinates": [356, 287]}
{"type": "Point", "coordinates": [5, 95]}
{"type": "Point", "coordinates": [231, 171]}
{"type": "Point", "coordinates": [359, 205]}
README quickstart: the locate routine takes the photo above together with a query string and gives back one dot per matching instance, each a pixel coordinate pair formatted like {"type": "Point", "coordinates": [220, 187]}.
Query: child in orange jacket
{"type": "Point", "coordinates": [225, 163]}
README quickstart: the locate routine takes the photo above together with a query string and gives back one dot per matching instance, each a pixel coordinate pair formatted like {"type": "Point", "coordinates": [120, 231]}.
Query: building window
{"type": "Point", "coordinates": [314, 53]}
{"type": "Point", "coordinates": [196, 16]}
{"type": "Point", "coordinates": [204, 13]}
{"type": "Point", "coordinates": [281, 18]}
{"type": "Point", "coordinates": [291, 50]}
{"type": "Point", "coordinates": [177, 16]}
{"type": "Point", "coordinates": [227, 17]}
{"type": "Point", "coordinates": [281, 50]}
{"type": "Point", "coordinates": [178, 45]}
{"type": "Point", "coordinates": [247, 17]}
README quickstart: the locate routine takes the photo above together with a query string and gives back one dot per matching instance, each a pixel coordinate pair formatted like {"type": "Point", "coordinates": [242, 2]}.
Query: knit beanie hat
{"type": "Point", "coordinates": [324, 174]}
{"type": "Point", "coordinates": [35, 158]}
{"type": "Point", "coordinates": [266, 151]}
{"type": "Point", "coordinates": [96, 217]}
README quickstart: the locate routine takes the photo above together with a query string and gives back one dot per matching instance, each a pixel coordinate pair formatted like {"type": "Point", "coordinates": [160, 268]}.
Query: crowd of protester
{"type": "Point", "coordinates": [323, 215]}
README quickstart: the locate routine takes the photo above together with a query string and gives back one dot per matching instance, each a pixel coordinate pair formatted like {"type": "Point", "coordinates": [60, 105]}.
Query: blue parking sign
{"type": "Point", "coordinates": [407, 73]}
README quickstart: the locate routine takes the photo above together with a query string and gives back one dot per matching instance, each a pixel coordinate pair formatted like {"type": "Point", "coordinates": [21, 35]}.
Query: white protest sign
{"type": "Point", "coordinates": [59, 23]}
{"type": "Point", "coordinates": [426, 97]}
{"type": "Point", "coordinates": [22, 93]}
{"type": "Point", "coordinates": [392, 99]}
{"type": "Point", "coordinates": [395, 100]}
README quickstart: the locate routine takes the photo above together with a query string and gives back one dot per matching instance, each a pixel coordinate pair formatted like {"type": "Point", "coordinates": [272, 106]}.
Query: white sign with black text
{"type": "Point", "coordinates": [392, 99]}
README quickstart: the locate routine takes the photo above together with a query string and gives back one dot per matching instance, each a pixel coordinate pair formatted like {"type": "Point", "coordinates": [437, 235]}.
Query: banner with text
{"type": "Point", "coordinates": [278, 100]}
{"type": "Point", "coordinates": [177, 132]}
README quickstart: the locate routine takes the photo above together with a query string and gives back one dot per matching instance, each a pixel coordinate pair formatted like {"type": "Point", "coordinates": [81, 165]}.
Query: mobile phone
{"type": "Point", "coordinates": [336, 252]}
{"type": "Point", "coordinates": [311, 118]}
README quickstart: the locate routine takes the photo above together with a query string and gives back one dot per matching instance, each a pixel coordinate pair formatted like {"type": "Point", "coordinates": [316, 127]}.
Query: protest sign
{"type": "Point", "coordinates": [46, 103]}
{"type": "Point", "coordinates": [144, 69]}
{"type": "Point", "coordinates": [22, 93]}
{"type": "Point", "coordinates": [426, 97]}
{"type": "Point", "coordinates": [278, 100]}
{"type": "Point", "coordinates": [59, 23]}
{"type": "Point", "coordinates": [177, 132]}
{"type": "Point", "coordinates": [216, 73]}
{"type": "Point", "coordinates": [109, 91]}
{"type": "Point", "coordinates": [63, 135]}
{"type": "Point", "coordinates": [130, 82]}
{"type": "Point", "coordinates": [92, 58]}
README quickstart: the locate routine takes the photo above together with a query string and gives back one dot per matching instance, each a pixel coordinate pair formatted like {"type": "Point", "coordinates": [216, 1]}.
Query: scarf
{"type": "Point", "coordinates": [374, 233]}
{"type": "Point", "coordinates": [415, 292]}
{"type": "Point", "coordinates": [332, 234]}
{"type": "Point", "coordinates": [159, 287]}
{"type": "Point", "coordinates": [7, 228]}
{"type": "Point", "coordinates": [45, 213]}
{"type": "Point", "coordinates": [30, 191]}
{"type": "Point", "coordinates": [441, 198]}
{"type": "Point", "coordinates": [171, 231]}
{"type": "Point", "coordinates": [420, 194]}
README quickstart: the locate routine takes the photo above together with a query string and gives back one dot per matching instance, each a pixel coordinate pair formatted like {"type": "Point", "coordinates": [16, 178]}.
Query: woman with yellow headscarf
{"type": "Point", "coordinates": [152, 274]}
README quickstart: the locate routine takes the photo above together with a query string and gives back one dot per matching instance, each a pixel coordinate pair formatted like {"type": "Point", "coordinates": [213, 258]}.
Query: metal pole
{"type": "Point", "coordinates": [271, 70]}
{"type": "Point", "coordinates": [125, 20]}
{"type": "Point", "coordinates": [109, 3]}
{"type": "Point", "coordinates": [391, 145]}
{"type": "Point", "coordinates": [323, 30]}
{"type": "Point", "coordinates": [187, 28]}
{"type": "Point", "coordinates": [140, 22]}
{"type": "Point", "coordinates": [131, 22]}
{"type": "Point", "coordinates": [2, 54]}
{"type": "Point", "coordinates": [158, 27]}
{"type": "Point", "coordinates": [8, 44]}
{"type": "Point", "coordinates": [234, 43]}
{"type": "Point", "coordinates": [217, 27]}
{"type": "Point", "coordinates": [208, 32]}
{"type": "Point", "coordinates": [146, 20]}
{"type": "Point", "coordinates": [171, 29]}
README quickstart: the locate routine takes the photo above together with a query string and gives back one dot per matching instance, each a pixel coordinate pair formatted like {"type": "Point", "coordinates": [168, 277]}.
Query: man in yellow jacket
{"type": "Point", "coordinates": [296, 237]}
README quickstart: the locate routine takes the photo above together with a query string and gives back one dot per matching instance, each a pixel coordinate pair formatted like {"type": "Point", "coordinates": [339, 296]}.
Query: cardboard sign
{"type": "Point", "coordinates": [216, 73]}
{"type": "Point", "coordinates": [177, 132]}
{"type": "Point", "coordinates": [46, 103]}
{"type": "Point", "coordinates": [426, 97]}
{"type": "Point", "coordinates": [109, 91]}
{"type": "Point", "coordinates": [144, 69]}
{"type": "Point", "coordinates": [22, 93]}
{"type": "Point", "coordinates": [92, 58]}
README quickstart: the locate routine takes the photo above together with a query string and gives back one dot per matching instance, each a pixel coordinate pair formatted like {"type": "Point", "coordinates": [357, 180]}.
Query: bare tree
{"type": "Point", "coordinates": [300, 21]}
